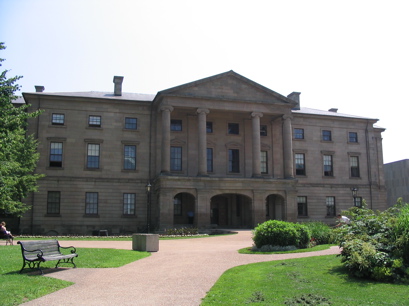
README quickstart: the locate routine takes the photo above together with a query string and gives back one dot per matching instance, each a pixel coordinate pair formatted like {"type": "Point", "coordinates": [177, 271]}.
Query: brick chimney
{"type": "Point", "coordinates": [295, 96]}
{"type": "Point", "coordinates": [118, 85]}
{"type": "Point", "coordinates": [39, 88]}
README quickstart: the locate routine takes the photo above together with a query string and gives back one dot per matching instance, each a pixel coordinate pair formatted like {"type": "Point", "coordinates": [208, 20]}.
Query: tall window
{"type": "Point", "coordinates": [56, 154]}
{"type": "Point", "coordinates": [209, 159]}
{"type": "Point", "coordinates": [94, 121]}
{"type": "Point", "coordinates": [176, 125]}
{"type": "Point", "coordinates": [358, 201]}
{"type": "Point", "coordinates": [353, 137]}
{"type": "Point", "coordinates": [91, 203]}
{"type": "Point", "coordinates": [354, 164]}
{"type": "Point", "coordinates": [302, 206]}
{"type": "Point", "coordinates": [264, 162]}
{"type": "Point", "coordinates": [177, 205]}
{"type": "Point", "coordinates": [176, 158]}
{"type": "Point", "coordinates": [233, 128]}
{"type": "Point", "coordinates": [209, 127]}
{"type": "Point", "coordinates": [53, 202]}
{"type": "Point", "coordinates": [326, 135]}
{"type": "Point", "coordinates": [330, 203]}
{"type": "Point", "coordinates": [298, 133]}
{"type": "Point", "coordinates": [131, 123]}
{"type": "Point", "coordinates": [299, 164]}
{"type": "Point", "coordinates": [263, 130]}
{"type": "Point", "coordinates": [328, 167]}
{"type": "Point", "coordinates": [129, 204]}
{"type": "Point", "coordinates": [58, 119]}
{"type": "Point", "coordinates": [129, 157]}
{"type": "Point", "coordinates": [234, 161]}
{"type": "Point", "coordinates": [93, 156]}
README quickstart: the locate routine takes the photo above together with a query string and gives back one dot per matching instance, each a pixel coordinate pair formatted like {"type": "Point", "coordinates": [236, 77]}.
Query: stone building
{"type": "Point", "coordinates": [397, 181]}
{"type": "Point", "coordinates": [222, 152]}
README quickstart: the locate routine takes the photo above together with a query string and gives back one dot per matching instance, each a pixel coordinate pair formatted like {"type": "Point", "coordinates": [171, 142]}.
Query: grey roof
{"type": "Point", "coordinates": [101, 95]}
{"type": "Point", "coordinates": [312, 111]}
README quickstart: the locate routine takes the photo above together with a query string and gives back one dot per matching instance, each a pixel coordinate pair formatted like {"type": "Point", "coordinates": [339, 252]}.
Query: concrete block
{"type": "Point", "coordinates": [145, 242]}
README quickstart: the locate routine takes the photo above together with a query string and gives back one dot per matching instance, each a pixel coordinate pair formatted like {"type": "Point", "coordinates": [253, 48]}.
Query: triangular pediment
{"type": "Point", "coordinates": [229, 86]}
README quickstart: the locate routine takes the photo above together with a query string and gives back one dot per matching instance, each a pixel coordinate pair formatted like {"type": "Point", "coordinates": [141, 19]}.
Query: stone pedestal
{"type": "Point", "coordinates": [145, 242]}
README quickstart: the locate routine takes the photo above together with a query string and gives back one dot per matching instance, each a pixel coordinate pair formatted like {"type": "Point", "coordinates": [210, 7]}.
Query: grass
{"type": "Point", "coordinates": [319, 280]}
{"type": "Point", "coordinates": [18, 288]}
{"type": "Point", "coordinates": [313, 249]}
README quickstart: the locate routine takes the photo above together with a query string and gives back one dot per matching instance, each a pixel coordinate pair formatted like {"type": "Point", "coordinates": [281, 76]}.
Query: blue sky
{"type": "Point", "coordinates": [350, 55]}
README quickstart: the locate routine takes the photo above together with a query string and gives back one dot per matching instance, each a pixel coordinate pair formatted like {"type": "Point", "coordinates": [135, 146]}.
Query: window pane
{"type": "Point", "coordinates": [175, 125]}
{"type": "Point", "coordinates": [353, 137]}
{"type": "Point", "coordinates": [209, 127]}
{"type": "Point", "coordinates": [302, 206]}
{"type": "Point", "coordinates": [130, 157]}
{"type": "Point", "coordinates": [233, 128]}
{"type": "Point", "coordinates": [263, 130]}
{"type": "Point", "coordinates": [91, 203]}
{"type": "Point", "coordinates": [56, 154]}
{"type": "Point", "coordinates": [234, 161]}
{"type": "Point", "coordinates": [330, 203]}
{"type": "Point", "coordinates": [299, 164]}
{"type": "Point", "coordinates": [326, 135]}
{"type": "Point", "coordinates": [131, 123]}
{"type": "Point", "coordinates": [209, 160]}
{"type": "Point", "coordinates": [94, 121]}
{"type": "Point", "coordinates": [328, 165]}
{"type": "Point", "coordinates": [175, 158]}
{"type": "Point", "coordinates": [93, 156]}
{"type": "Point", "coordinates": [177, 203]}
{"type": "Point", "coordinates": [299, 133]}
{"type": "Point", "coordinates": [354, 163]}
{"type": "Point", "coordinates": [264, 162]}
{"type": "Point", "coordinates": [57, 119]}
{"type": "Point", "coordinates": [53, 202]}
{"type": "Point", "coordinates": [129, 203]}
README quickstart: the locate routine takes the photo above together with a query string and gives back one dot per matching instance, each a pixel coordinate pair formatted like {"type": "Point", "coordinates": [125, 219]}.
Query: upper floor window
{"type": "Point", "coordinates": [53, 202]}
{"type": "Point", "coordinates": [209, 160]}
{"type": "Point", "coordinates": [91, 203]}
{"type": "Point", "coordinates": [56, 154]}
{"type": "Point", "coordinates": [302, 206]}
{"type": "Point", "coordinates": [330, 203]}
{"type": "Point", "coordinates": [299, 164]}
{"type": "Point", "coordinates": [353, 137]}
{"type": "Point", "coordinates": [263, 130]}
{"type": "Point", "coordinates": [131, 123]}
{"type": "Point", "coordinates": [93, 156]}
{"type": "Point", "coordinates": [94, 121]}
{"type": "Point", "coordinates": [57, 119]}
{"type": "Point", "coordinates": [264, 162]}
{"type": "Point", "coordinates": [328, 166]}
{"type": "Point", "coordinates": [209, 127]}
{"type": "Point", "coordinates": [176, 158]}
{"type": "Point", "coordinates": [354, 166]}
{"type": "Point", "coordinates": [129, 204]}
{"type": "Point", "coordinates": [129, 157]}
{"type": "Point", "coordinates": [326, 135]}
{"type": "Point", "coordinates": [233, 128]}
{"type": "Point", "coordinates": [298, 133]}
{"type": "Point", "coordinates": [234, 161]}
{"type": "Point", "coordinates": [176, 125]}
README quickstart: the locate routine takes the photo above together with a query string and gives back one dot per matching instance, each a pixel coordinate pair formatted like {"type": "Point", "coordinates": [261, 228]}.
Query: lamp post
{"type": "Point", "coordinates": [354, 191]}
{"type": "Point", "coordinates": [148, 210]}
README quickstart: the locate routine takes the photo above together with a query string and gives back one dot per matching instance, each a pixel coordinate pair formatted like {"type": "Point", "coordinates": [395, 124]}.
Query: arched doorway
{"type": "Point", "coordinates": [184, 209]}
{"type": "Point", "coordinates": [274, 207]}
{"type": "Point", "coordinates": [231, 210]}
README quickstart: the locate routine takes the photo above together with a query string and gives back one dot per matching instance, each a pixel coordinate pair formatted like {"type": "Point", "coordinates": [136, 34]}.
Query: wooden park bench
{"type": "Point", "coordinates": [37, 251]}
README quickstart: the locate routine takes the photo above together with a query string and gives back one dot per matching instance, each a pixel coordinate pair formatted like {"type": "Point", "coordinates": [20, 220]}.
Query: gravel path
{"type": "Point", "coordinates": [181, 272]}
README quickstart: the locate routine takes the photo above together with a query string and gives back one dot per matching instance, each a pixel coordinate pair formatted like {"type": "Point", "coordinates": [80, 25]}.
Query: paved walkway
{"type": "Point", "coordinates": [181, 273]}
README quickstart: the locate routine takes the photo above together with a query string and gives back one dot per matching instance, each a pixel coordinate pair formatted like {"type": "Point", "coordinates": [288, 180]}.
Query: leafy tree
{"type": "Point", "coordinates": [18, 152]}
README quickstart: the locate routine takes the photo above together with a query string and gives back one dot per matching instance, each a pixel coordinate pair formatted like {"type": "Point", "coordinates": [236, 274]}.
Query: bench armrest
{"type": "Point", "coordinates": [74, 250]}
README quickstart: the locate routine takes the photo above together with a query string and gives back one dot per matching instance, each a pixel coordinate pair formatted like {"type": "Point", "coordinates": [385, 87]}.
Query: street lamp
{"type": "Point", "coordinates": [354, 191]}
{"type": "Point", "coordinates": [148, 210]}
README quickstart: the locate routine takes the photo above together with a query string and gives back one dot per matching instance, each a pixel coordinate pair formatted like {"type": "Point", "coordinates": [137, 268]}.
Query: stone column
{"type": "Point", "coordinates": [166, 110]}
{"type": "Point", "coordinates": [202, 154]}
{"type": "Point", "coordinates": [287, 147]}
{"type": "Point", "coordinates": [256, 143]}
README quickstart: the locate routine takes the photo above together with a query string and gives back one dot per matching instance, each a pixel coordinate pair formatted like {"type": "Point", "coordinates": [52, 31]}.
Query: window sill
{"type": "Point", "coordinates": [54, 168]}
{"type": "Point", "coordinates": [52, 215]}
{"type": "Point", "coordinates": [129, 216]}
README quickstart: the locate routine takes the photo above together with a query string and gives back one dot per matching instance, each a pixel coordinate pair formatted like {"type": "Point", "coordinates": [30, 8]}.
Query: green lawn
{"type": "Point", "coordinates": [321, 280]}
{"type": "Point", "coordinates": [18, 288]}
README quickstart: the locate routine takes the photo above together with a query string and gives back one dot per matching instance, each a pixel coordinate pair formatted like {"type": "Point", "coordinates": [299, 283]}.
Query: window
{"type": "Point", "coordinates": [129, 157]}
{"type": "Point", "coordinates": [53, 202]}
{"type": "Point", "coordinates": [131, 123]}
{"type": "Point", "coordinates": [177, 205]}
{"type": "Point", "coordinates": [263, 130]}
{"type": "Point", "coordinates": [330, 203]}
{"type": "Point", "coordinates": [176, 125]}
{"type": "Point", "coordinates": [298, 133]}
{"type": "Point", "coordinates": [328, 168]}
{"type": "Point", "coordinates": [57, 119]}
{"type": "Point", "coordinates": [358, 201]}
{"type": "Point", "coordinates": [234, 161]}
{"type": "Point", "coordinates": [326, 136]}
{"type": "Point", "coordinates": [299, 164]}
{"type": "Point", "coordinates": [56, 154]}
{"type": "Point", "coordinates": [354, 164]}
{"type": "Point", "coordinates": [129, 204]}
{"type": "Point", "coordinates": [209, 160]}
{"type": "Point", "coordinates": [91, 203]}
{"type": "Point", "coordinates": [302, 206]}
{"type": "Point", "coordinates": [94, 121]}
{"type": "Point", "coordinates": [233, 128]}
{"type": "Point", "coordinates": [353, 137]}
{"type": "Point", "coordinates": [264, 162]}
{"type": "Point", "coordinates": [176, 158]}
{"type": "Point", "coordinates": [93, 156]}
{"type": "Point", "coordinates": [209, 127]}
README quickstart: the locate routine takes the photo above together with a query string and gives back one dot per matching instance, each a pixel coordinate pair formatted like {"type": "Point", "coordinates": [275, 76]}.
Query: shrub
{"type": "Point", "coordinates": [321, 233]}
{"type": "Point", "coordinates": [280, 233]}
{"type": "Point", "coordinates": [183, 231]}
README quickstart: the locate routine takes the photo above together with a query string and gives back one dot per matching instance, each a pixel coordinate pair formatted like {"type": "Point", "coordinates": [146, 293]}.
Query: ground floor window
{"type": "Point", "coordinates": [91, 203]}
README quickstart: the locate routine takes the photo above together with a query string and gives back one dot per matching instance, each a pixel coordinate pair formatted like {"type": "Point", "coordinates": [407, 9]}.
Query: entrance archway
{"type": "Point", "coordinates": [231, 210]}
{"type": "Point", "coordinates": [184, 209]}
{"type": "Point", "coordinates": [274, 207]}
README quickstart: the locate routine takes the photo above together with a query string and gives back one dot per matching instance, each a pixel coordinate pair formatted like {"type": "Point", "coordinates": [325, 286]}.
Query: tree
{"type": "Point", "coordinates": [18, 151]}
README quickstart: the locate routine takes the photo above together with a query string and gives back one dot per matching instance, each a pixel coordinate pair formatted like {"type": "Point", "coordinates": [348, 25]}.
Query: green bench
{"type": "Point", "coordinates": [37, 251]}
